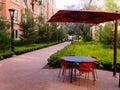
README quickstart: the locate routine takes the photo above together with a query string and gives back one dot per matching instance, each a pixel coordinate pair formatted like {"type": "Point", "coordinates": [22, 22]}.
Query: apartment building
{"type": "Point", "coordinates": [38, 7]}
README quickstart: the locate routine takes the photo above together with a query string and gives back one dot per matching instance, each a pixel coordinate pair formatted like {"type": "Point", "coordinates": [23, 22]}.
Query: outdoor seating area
{"type": "Point", "coordinates": [28, 72]}
{"type": "Point", "coordinates": [84, 65]}
{"type": "Point", "coordinates": [55, 45]}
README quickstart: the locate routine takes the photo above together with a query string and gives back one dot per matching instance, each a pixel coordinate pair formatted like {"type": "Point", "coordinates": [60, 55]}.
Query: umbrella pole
{"type": "Point", "coordinates": [115, 47]}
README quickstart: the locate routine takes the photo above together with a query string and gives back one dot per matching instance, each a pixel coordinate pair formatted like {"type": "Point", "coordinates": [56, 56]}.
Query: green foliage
{"type": "Point", "coordinates": [86, 34]}
{"type": "Point", "coordinates": [54, 30]}
{"type": "Point", "coordinates": [27, 24]}
{"type": "Point", "coordinates": [42, 27]}
{"type": "Point", "coordinates": [18, 43]}
{"type": "Point", "coordinates": [56, 34]}
{"type": "Point", "coordinates": [49, 32]}
{"type": "Point", "coordinates": [119, 40]}
{"type": "Point", "coordinates": [104, 55]}
{"type": "Point", "coordinates": [24, 49]}
{"type": "Point", "coordinates": [111, 5]}
{"type": "Point", "coordinates": [4, 35]}
{"type": "Point", "coordinates": [61, 34]}
{"type": "Point", "coordinates": [107, 35]}
{"type": "Point", "coordinates": [80, 30]}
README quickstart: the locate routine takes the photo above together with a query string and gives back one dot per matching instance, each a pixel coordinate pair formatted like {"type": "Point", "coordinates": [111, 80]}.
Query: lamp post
{"type": "Point", "coordinates": [12, 30]}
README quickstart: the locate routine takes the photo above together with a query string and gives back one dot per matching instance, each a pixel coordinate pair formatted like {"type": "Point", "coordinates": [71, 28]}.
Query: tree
{"type": "Point", "coordinates": [41, 29]}
{"type": "Point", "coordinates": [107, 35]}
{"type": "Point", "coordinates": [54, 30]}
{"type": "Point", "coordinates": [27, 25]}
{"type": "Point", "coordinates": [111, 5]}
{"type": "Point", "coordinates": [4, 35]}
{"type": "Point", "coordinates": [81, 29]}
{"type": "Point", "coordinates": [61, 34]}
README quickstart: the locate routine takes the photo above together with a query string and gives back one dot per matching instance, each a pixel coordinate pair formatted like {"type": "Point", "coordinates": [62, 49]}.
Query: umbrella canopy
{"type": "Point", "coordinates": [84, 16]}
{"type": "Point", "coordinates": [91, 17]}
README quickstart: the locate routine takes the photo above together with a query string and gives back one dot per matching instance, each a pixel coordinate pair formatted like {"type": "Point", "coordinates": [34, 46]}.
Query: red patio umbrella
{"type": "Point", "coordinates": [91, 17]}
{"type": "Point", "coordinates": [84, 16]}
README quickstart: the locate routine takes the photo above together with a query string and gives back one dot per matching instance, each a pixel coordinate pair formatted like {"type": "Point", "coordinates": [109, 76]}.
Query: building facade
{"type": "Point", "coordinates": [38, 7]}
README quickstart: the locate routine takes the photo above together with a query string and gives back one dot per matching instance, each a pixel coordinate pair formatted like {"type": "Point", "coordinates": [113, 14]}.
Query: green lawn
{"type": "Point", "coordinates": [104, 55]}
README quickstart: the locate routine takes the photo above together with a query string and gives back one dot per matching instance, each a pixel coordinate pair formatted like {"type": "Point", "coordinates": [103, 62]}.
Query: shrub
{"type": "Point", "coordinates": [18, 43]}
{"type": "Point", "coordinates": [4, 35]}
{"type": "Point", "coordinates": [5, 39]}
{"type": "Point", "coordinates": [119, 40]}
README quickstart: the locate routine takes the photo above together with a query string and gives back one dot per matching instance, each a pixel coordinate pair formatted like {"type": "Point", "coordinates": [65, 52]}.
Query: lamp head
{"type": "Point", "coordinates": [11, 12]}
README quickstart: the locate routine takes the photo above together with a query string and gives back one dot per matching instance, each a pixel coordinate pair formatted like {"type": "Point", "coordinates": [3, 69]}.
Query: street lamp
{"type": "Point", "coordinates": [12, 30]}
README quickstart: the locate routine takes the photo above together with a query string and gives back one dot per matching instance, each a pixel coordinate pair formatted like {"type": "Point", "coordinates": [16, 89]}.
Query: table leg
{"type": "Point", "coordinates": [119, 79]}
{"type": "Point", "coordinates": [71, 73]}
{"type": "Point", "coordinates": [94, 75]}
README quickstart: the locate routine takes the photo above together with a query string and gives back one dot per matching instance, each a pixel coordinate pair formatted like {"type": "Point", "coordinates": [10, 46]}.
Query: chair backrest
{"type": "Point", "coordinates": [63, 63]}
{"type": "Point", "coordinates": [95, 61]}
{"type": "Point", "coordinates": [94, 57]}
{"type": "Point", "coordinates": [86, 66]}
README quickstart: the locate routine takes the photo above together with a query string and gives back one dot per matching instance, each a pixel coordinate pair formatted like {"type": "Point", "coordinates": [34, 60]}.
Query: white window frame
{"type": "Point", "coordinates": [16, 16]}
{"type": "Point", "coordinates": [16, 34]}
{"type": "Point", "coordinates": [16, 1]}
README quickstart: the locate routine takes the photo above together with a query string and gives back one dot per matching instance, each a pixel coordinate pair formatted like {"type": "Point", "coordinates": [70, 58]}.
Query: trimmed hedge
{"type": "Point", "coordinates": [23, 49]}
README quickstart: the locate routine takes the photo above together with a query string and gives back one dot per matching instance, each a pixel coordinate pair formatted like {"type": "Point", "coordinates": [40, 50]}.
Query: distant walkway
{"type": "Point", "coordinates": [24, 72]}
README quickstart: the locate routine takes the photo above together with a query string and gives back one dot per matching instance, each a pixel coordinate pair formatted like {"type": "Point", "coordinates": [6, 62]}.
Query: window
{"type": "Point", "coordinates": [24, 17]}
{"type": "Point", "coordinates": [16, 34]}
{"type": "Point", "coordinates": [52, 12]}
{"type": "Point", "coordinates": [16, 1]}
{"type": "Point", "coordinates": [16, 16]}
{"type": "Point", "coordinates": [43, 3]}
{"type": "Point", "coordinates": [39, 11]}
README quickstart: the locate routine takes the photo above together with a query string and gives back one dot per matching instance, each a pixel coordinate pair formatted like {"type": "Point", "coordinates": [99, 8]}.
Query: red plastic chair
{"type": "Point", "coordinates": [64, 68]}
{"type": "Point", "coordinates": [96, 75]}
{"type": "Point", "coordinates": [86, 67]}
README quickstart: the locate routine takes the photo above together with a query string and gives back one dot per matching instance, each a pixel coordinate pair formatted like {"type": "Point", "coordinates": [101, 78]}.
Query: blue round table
{"type": "Point", "coordinates": [77, 59]}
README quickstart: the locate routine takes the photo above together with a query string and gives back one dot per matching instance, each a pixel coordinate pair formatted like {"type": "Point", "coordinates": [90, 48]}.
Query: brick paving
{"type": "Point", "coordinates": [26, 72]}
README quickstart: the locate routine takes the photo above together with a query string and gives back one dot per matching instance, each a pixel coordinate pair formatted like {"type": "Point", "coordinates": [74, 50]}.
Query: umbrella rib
{"type": "Point", "coordinates": [59, 16]}
{"type": "Point", "coordinates": [69, 15]}
{"type": "Point", "coordinates": [96, 15]}
{"type": "Point", "coordinates": [74, 19]}
{"type": "Point", "coordinates": [102, 15]}
{"type": "Point", "coordinates": [92, 17]}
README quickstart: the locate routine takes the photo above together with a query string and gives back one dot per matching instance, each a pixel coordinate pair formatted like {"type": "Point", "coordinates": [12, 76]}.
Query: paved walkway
{"type": "Point", "coordinates": [25, 72]}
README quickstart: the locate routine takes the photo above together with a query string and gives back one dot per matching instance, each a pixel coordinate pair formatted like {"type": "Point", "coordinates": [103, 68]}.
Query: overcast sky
{"type": "Point", "coordinates": [60, 3]}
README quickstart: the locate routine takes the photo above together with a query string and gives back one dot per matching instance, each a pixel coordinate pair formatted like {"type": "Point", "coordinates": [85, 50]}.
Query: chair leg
{"type": "Point", "coordinates": [88, 76]}
{"type": "Point", "coordinates": [93, 74]}
{"type": "Point", "coordinates": [79, 77]}
{"type": "Point", "coordinates": [96, 73]}
{"type": "Point", "coordinates": [75, 74]}
{"type": "Point", "coordinates": [85, 75]}
{"type": "Point", "coordinates": [59, 72]}
{"type": "Point", "coordinates": [64, 76]}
